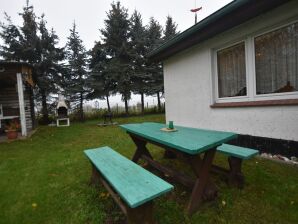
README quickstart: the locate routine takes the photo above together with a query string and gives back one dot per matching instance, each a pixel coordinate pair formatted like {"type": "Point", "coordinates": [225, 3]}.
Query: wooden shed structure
{"type": "Point", "coordinates": [16, 95]}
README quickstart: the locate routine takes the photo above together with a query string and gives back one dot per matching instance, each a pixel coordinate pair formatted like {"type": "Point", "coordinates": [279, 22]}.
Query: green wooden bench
{"type": "Point", "coordinates": [235, 155]}
{"type": "Point", "coordinates": [131, 186]}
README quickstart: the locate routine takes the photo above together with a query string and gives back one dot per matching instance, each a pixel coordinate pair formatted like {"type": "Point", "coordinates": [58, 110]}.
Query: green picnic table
{"type": "Point", "coordinates": [187, 144]}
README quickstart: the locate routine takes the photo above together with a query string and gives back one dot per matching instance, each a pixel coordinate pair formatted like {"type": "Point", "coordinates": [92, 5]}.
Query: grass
{"type": "Point", "coordinates": [44, 179]}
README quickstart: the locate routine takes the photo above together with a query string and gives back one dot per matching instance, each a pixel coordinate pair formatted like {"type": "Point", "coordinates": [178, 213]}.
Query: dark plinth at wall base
{"type": "Point", "coordinates": [288, 102]}
{"type": "Point", "coordinates": [267, 145]}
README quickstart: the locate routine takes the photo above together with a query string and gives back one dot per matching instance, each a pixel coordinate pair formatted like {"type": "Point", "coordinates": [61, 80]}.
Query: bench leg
{"type": "Point", "coordinates": [142, 214]}
{"type": "Point", "coordinates": [235, 176]}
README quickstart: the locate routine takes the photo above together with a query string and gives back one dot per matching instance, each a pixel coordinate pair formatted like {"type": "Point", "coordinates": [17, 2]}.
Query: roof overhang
{"type": "Point", "coordinates": [15, 63]}
{"type": "Point", "coordinates": [231, 15]}
{"type": "Point", "coordinates": [10, 68]}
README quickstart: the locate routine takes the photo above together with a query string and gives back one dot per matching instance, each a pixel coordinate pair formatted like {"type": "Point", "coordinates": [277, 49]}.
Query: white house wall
{"type": "Point", "coordinates": [189, 92]}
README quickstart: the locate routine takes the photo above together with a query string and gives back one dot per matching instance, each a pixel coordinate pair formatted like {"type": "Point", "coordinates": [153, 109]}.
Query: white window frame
{"type": "Point", "coordinates": [250, 71]}
{"type": "Point", "coordinates": [234, 98]}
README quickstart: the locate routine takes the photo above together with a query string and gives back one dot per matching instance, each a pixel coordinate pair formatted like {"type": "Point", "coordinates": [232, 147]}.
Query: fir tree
{"type": "Point", "coordinates": [138, 51]}
{"type": "Point", "coordinates": [116, 39]}
{"type": "Point", "coordinates": [170, 29]}
{"type": "Point", "coordinates": [10, 34]}
{"type": "Point", "coordinates": [101, 83]}
{"type": "Point", "coordinates": [75, 85]}
{"type": "Point", "coordinates": [29, 39]}
{"type": "Point", "coordinates": [21, 44]}
{"type": "Point", "coordinates": [153, 69]}
{"type": "Point", "coordinates": [47, 68]}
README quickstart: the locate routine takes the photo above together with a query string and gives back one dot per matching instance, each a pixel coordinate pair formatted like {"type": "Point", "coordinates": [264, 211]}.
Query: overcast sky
{"type": "Point", "coordinates": [90, 14]}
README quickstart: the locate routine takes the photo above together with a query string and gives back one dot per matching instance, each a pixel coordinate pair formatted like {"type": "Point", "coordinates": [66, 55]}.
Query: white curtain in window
{"type": "Point", "coordinates": [276, 57]}
{"type": "Point", "coordinates": [231, 71]}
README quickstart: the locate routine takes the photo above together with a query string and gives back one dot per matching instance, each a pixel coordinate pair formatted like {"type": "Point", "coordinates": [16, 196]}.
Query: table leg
{"type": "Point", "coordinates": [203, 169]}
{"type": "Point", "coordinates": [211, 190]}
{"type": "Point", "coordinates": [141, 149]}
{"type": "Point", "coordinates": [169, 155]}
{"type": "Point", "coordinates": [202, 189]}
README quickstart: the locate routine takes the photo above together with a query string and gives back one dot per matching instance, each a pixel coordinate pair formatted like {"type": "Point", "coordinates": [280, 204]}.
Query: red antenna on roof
{"type": "Point", "coordinates": [195, 10]}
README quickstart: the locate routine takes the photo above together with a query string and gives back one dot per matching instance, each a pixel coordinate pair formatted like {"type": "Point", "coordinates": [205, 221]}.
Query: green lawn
{"type": "Point", "coordinates": [44, 179]}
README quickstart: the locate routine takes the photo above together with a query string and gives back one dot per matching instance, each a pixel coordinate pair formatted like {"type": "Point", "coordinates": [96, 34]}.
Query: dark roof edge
{"type": "Point", "coordinates": [197, 26]}
{"type": "Point", "coordinates": [161, 53]}
{"type": "Point", "coordinates": [4, 62]}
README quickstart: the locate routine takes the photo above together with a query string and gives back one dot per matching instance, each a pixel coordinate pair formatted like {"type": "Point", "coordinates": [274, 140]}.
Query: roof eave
{"type": "Point", "coordinates": [231, 15]}
{"type": "Point", "coordinates": [20, 63]}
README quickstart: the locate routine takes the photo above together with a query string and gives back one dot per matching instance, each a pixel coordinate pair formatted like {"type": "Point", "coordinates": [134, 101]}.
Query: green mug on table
{"type": "Point", "coordinates": [171, 125]}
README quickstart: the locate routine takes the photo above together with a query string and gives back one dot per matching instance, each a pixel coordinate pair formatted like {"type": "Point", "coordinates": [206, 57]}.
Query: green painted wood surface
{"type": "Point", "coordinates": [189, 140]}
{"type": "Point", "coordinates": [236, 151]}
{"type": "Point", "coordinates": [133, 183]}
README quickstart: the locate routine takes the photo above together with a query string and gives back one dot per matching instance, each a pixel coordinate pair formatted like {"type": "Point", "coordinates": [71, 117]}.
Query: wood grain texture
{"type": "Point", "coordinates": [236, 151]}
{"type": "Point", "coordinates": [134, 184]}
{"type": "Point", "coordinates": [188, 140]}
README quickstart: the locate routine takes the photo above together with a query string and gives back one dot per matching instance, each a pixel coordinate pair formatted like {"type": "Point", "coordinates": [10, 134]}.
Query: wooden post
{"type": "Point", "coordinates": [235, 177]}
{"type": "Point", "coordinates": [201, 182]}
{"type": "Point", "coordinates": [21, 104]}
{"type": "Point", "coordinates": [142, 214]}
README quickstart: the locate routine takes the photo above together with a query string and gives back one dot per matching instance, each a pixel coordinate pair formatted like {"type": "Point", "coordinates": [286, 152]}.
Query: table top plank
{"type": "Point", "coordinates": [133, 183]}
{"type": "Point", "coordinates": [188, 140]}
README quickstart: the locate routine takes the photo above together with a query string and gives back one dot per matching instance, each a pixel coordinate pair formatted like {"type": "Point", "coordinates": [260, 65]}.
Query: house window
{"type": "Point", "coordinates": [263, 67]}
{"type": "Point", "coordinates": [231, 71]}
{"type": "Point", "coordinates": [276, 61]}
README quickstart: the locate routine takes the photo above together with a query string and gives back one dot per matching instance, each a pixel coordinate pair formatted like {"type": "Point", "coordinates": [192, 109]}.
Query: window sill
{"type": "Point", "coordinates": [256, 103]}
